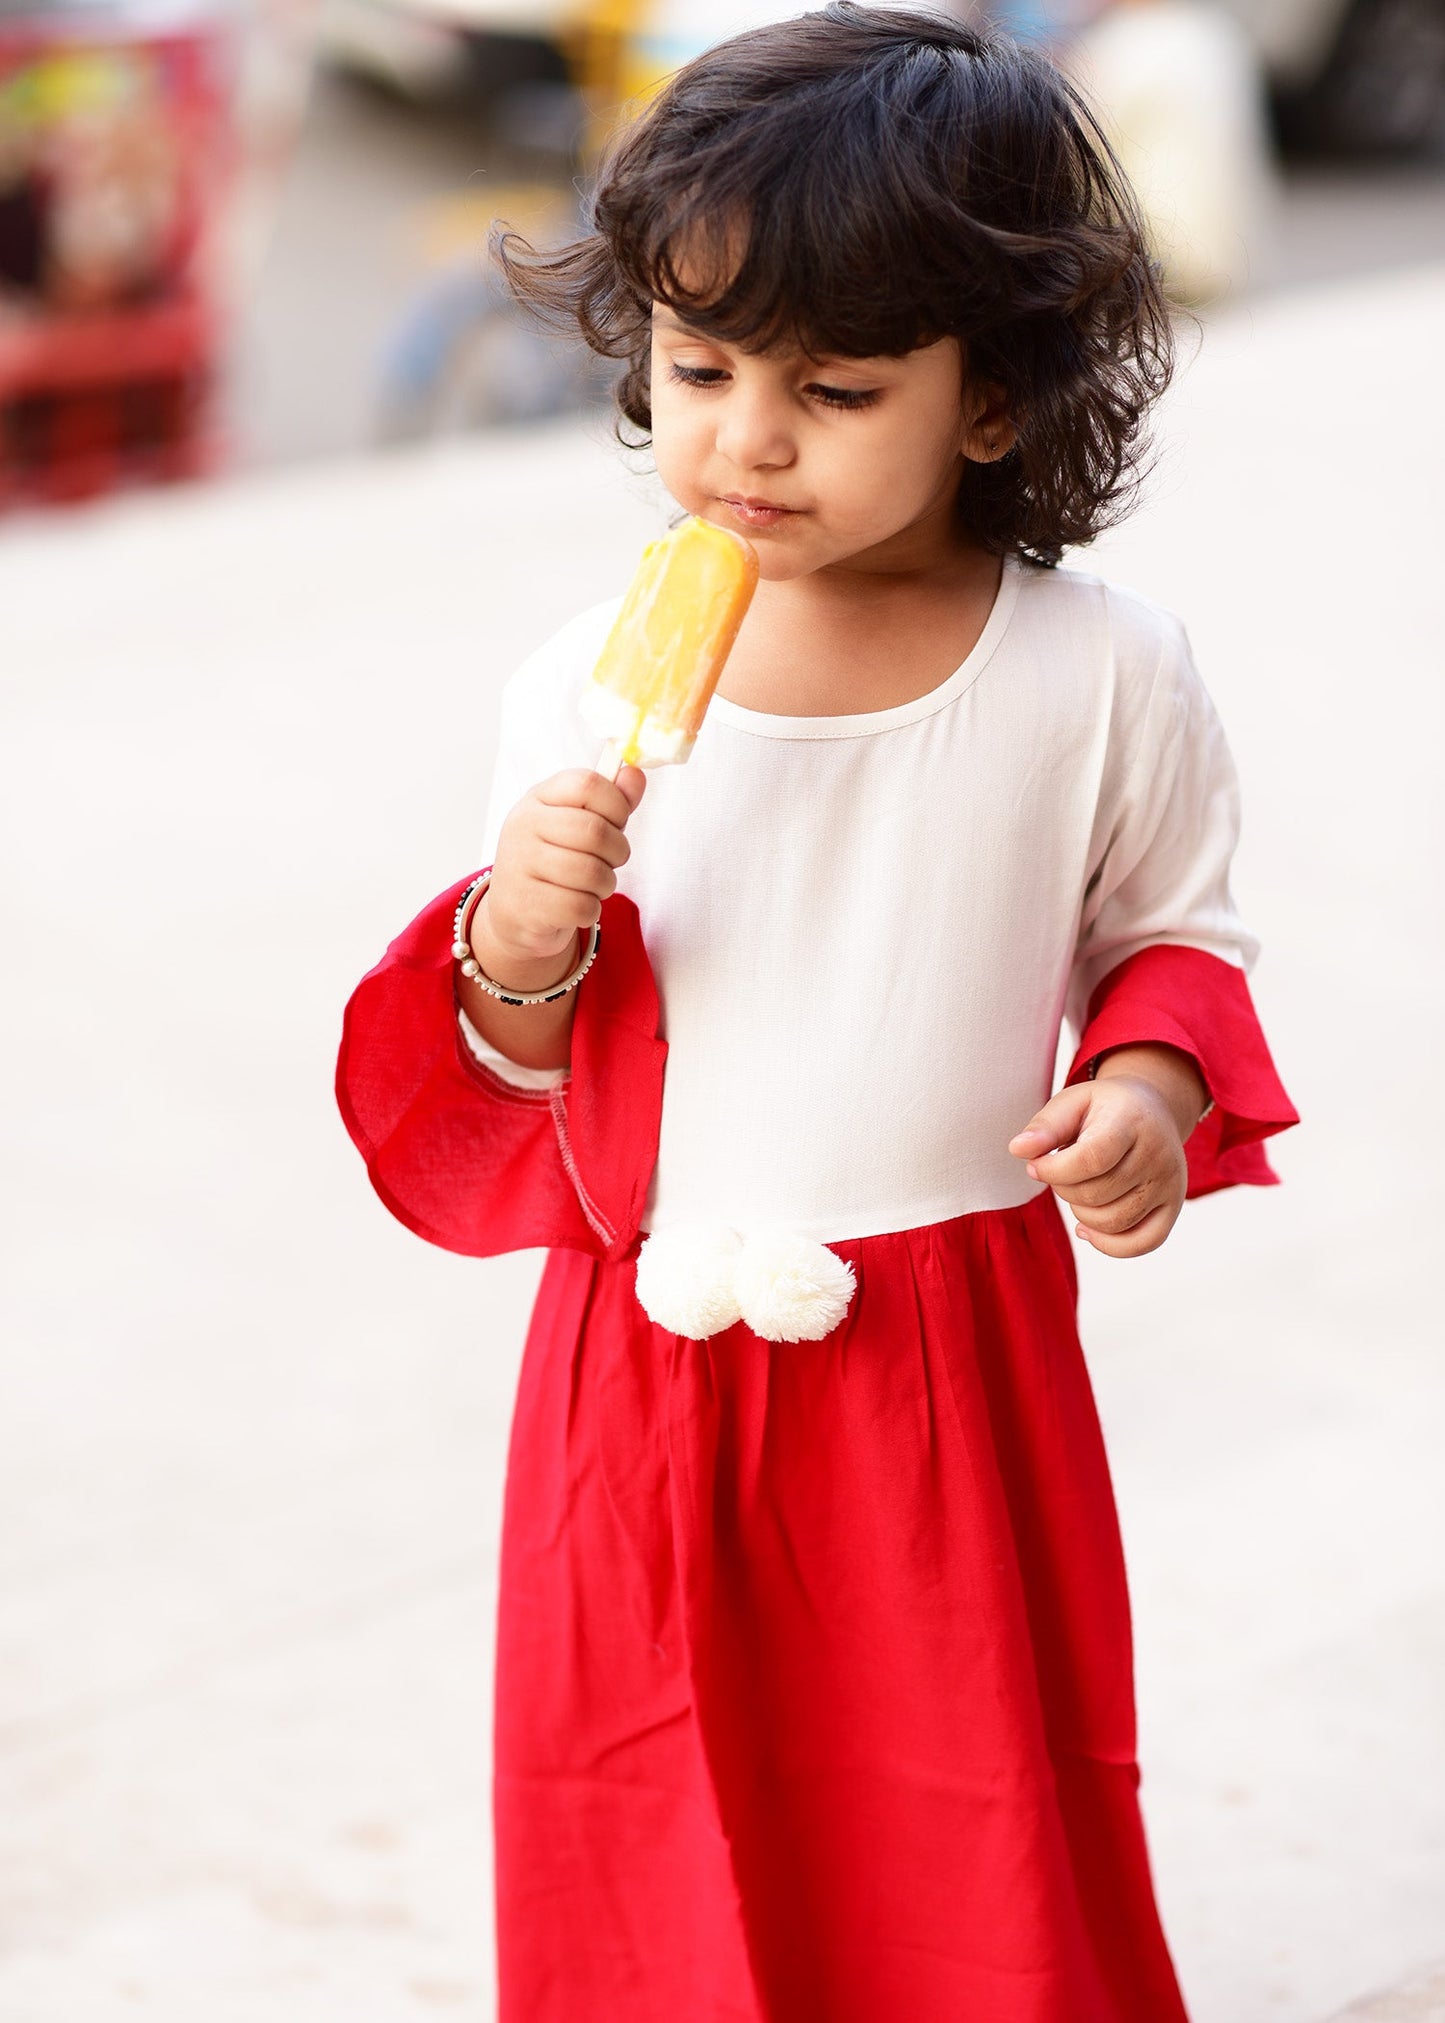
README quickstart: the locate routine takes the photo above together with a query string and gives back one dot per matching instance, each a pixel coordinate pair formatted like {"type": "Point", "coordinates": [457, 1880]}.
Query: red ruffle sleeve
{"type": "Point", "coordinates": [1188, 998]}
{"type": "Point", "coordinates": [475, 1163]}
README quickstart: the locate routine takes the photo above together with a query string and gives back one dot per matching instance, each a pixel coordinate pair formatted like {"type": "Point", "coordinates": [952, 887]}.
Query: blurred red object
{"type": "Point", "coordinates": [114, 147]}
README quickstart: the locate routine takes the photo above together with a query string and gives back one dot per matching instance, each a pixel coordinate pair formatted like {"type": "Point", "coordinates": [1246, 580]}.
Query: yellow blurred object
{"type": "Point", "coordinates": [617, 72]}
{"type": "Point", "coordinates": [664, 656]}
{"type": "Point", "coordinates": [623, 51]}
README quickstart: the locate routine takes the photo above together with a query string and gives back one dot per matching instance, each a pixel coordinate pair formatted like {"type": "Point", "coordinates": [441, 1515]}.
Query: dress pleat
{"type": "Point", "coordinates": [814, 1679]}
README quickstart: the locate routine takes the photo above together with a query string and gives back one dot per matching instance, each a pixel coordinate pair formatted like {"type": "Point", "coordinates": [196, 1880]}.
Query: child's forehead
{"type": "Point", "coordinates": [673, 324]}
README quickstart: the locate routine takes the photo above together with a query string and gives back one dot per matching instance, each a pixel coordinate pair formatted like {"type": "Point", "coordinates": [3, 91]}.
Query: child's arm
{"type": "Point", "coordinates": [465, 1145]}
{"type": "Point", "coordinates": [555, 864]}
{"type": "Point", "coordinates": [478, 1163]}
{"type": "Point", "coordinates": [1167, 1028]}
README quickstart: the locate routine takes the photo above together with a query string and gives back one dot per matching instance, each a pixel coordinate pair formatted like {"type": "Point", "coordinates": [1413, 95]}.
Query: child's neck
{"type": "Point", "coordinates": [848, 640]}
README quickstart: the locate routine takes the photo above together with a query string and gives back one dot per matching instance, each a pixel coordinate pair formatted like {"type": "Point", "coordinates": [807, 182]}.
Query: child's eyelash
{"type": "Point", "coordinates": [844, 396]}
{"type": "Point", "coordinates": [827, 396]}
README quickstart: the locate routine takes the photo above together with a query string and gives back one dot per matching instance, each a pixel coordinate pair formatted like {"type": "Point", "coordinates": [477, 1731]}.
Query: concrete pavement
{"type": "Point", "coordinates": [254, 1431]}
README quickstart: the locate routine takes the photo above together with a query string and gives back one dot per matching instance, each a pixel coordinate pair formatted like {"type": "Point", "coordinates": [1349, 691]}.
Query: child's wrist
{"type": "Point", "coordinates": [514, 969]}
{"type": "Point", "coordinates": [1171, 1072]}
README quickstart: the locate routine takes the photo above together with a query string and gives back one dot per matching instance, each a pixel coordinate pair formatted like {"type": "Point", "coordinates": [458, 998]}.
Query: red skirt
{"type": "Point", "coordinates": [814, 1679]}
{"type": "Point", "coordinates": [814, 1674]}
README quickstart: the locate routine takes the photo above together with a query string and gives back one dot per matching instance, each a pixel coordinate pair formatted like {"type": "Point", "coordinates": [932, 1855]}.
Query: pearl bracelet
{"type": "Point", "coordinates": [462, 950]}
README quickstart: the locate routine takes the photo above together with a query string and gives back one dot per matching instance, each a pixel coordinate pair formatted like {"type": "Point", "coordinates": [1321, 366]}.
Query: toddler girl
{"type": "Point", "coordinates": [814, 1698]}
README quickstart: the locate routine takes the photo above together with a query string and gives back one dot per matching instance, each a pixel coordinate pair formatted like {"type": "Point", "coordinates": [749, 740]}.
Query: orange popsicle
{"type": "Point", "coordinates": [664, 656]}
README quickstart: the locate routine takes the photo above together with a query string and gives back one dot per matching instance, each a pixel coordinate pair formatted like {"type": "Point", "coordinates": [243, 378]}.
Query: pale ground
{"type": "Point", "coordinates": [253, 1431]}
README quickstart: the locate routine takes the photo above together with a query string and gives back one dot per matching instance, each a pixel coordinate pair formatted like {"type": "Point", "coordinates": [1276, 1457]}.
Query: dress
{"type": "Point", "coordinates": [814, 1676]}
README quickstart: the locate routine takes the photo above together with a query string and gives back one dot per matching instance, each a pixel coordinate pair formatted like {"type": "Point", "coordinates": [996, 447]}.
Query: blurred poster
{"type": "Point", "coordinates": [112, 160]}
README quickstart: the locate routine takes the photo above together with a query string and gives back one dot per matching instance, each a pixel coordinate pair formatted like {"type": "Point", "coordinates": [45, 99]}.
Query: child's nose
{"type": "Point", "coordinates": [752, 433]}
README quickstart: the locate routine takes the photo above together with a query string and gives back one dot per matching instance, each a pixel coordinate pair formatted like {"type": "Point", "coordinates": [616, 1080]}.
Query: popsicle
{"type": "Point", "coordinates": [664, 656]}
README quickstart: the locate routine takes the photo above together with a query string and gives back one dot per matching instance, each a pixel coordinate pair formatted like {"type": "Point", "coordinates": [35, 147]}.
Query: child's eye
{"type": "Point", "coordinates": [826, 396]}
{"type": "Point", "coordinates": [843, 396]}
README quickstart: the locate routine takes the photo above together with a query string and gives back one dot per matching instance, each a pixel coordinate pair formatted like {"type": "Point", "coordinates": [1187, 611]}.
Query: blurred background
{"type": "Point", "coordinates": [286, 492]}
{"type": "Point", "coordinates": [240, 235]}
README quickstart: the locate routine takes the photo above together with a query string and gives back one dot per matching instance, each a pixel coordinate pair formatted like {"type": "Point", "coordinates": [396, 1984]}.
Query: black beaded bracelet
{"type": "Point", "coordinates": [472, 969]}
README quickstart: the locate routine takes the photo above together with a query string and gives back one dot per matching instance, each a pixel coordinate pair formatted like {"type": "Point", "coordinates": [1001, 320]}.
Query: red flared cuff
{"type": "Point", "coordinates": [1190, 999]}
{"type": "Point", "coordinates": [475, 1163]}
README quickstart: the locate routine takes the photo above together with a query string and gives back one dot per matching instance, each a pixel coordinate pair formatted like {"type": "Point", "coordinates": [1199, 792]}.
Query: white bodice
{"type": "Point", "coordinates": [865, 930]}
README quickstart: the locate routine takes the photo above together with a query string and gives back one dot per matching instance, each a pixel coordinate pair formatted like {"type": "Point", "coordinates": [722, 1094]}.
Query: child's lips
{"type": "Point", "coordinates": [759, 512]}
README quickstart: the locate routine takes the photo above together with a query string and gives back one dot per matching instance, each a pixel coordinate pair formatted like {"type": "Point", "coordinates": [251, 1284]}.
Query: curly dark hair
{"type": "Point", "coordinates": [857, 183]}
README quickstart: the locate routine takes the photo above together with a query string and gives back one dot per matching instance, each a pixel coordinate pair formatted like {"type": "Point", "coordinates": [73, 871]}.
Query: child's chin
{"type": "Point", "coordinates": [777, 568]}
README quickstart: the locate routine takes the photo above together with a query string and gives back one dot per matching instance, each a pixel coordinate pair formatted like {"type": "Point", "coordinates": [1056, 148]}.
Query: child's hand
{"type": "Point", "coordinates": [555, 864]}
{"type": "Point", "coordinates": [1118, 1157]}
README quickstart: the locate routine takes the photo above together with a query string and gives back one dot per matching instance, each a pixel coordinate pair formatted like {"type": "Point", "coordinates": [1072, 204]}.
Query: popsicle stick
{"type": "Point", "coordinates": [610, 763]}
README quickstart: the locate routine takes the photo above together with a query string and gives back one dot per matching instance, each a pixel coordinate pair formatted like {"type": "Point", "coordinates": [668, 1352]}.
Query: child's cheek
{"type": "Point", "coordinates": [671, 477]}
{"type": "Point", "coordinates": [678, 457]}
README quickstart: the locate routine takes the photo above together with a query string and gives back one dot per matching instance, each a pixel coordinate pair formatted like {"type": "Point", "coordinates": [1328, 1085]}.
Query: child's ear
{"type": "Point", "coordinates": [989, 431]}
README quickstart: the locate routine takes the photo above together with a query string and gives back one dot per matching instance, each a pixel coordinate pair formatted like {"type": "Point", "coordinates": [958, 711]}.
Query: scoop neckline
{"type": "Point", "coordinates": [863, 723]}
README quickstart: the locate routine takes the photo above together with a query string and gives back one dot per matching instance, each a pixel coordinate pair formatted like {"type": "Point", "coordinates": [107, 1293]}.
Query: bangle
{"type": "Point", "coordinates": [462, 950]}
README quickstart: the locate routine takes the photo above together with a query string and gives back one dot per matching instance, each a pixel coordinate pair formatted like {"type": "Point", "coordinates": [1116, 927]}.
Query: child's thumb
{"type": "Point", "coordinates": [1056, 1124]}
{"type": "Point", "coordinates": [632, 780]}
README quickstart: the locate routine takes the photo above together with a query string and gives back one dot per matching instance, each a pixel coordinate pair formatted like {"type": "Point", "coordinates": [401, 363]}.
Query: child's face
{"type": "Point", "coordinates": [844, 461]}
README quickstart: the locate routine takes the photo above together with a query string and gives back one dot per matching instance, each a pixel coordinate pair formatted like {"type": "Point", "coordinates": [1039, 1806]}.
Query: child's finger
{"type": "Point", "coordinates": [1115, 1218]}
{"type": "Point", "coordinates": [578, 788]}
{"type": "Point", "coordinates": [1145, 1235]}
{"type": "Point", "coordinates": [1055, 1124]}
{"type": "Point", "coordinates": [585, 831]}
{"type": "Point", "coordinates": [572, 870]}
{"type": "Point", "coordinates": [1134, 1169]}
{"type": "Point", "coordinates": [632, 780]}
{"type": "Point", "coordinates": [1098, 1148]}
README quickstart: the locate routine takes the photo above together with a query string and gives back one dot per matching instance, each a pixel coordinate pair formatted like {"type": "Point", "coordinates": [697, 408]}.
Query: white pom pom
{"type": "Point", "coordinates": [685, 1278]}
{"type": "Point", "coordinates": [790, 1289]}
